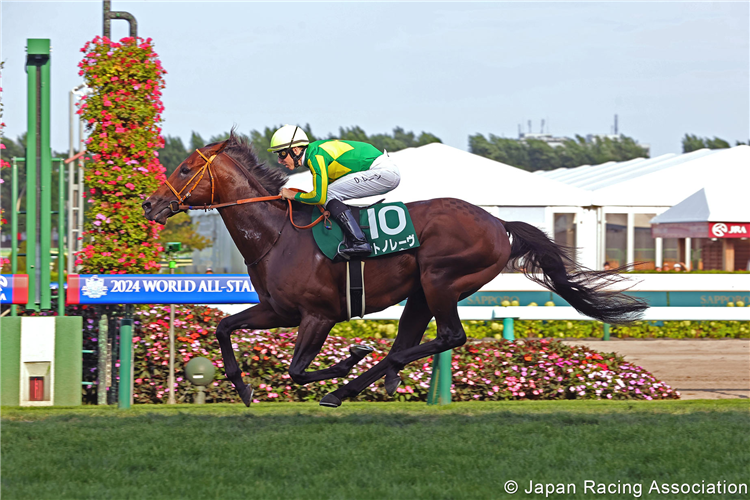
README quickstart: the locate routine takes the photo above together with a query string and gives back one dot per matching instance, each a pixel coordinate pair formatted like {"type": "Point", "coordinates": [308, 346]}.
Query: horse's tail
{"type": "Point", "coordinates": [549, 264]}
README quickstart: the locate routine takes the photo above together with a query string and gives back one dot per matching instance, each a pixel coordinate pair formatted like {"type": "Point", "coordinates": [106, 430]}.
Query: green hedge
{"type": "Point", "coordinates": [560, 329]}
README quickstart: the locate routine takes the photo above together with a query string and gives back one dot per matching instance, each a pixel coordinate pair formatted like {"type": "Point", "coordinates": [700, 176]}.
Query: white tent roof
{"type": "Point", "coordinates": [662, 181]}
{"type": "Point", "coordinates": [438, 171]}
{"type": "Point", "coordinates": [714, 203]}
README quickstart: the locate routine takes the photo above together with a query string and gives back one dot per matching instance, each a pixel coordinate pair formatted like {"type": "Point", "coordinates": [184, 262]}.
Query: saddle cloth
{"type": "Point", "coordinates": [387, 226]}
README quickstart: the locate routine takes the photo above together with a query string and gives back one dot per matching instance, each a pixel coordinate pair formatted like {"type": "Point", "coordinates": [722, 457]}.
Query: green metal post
{"type": "Point", "coordinates": [103, 353]}
{"type": "Point", "coordinates": [45, 185]}
{"type": "Point", "coordinates": [38, 174]}
{"type": "Point", "coordinates": [439, 392]}
{"type": "Point", "coordinates": [445, 378]}
{"type": "Point", "coordinates": [126, 346]}
{"type": "Point", "coordinates": [508, 333]}
{"type": "Point", "coordinates": [170, 379]}
{"type": "Point", "coordinates": [432, 392]}
{"type": "Point", "coordinates": [14, 225]}
{"type": "Point", "coordinates": [606, 331]}
{"type": "Point", "coordinates": [31, 187]}
{"type": "Point", "coordinates": [61, 240]}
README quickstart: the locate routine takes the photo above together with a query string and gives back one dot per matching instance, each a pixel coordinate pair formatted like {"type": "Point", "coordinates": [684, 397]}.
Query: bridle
{"type": "Point", "coordinates": [202, 171]}
{"type": "Point", "coordinates": [178, 203]}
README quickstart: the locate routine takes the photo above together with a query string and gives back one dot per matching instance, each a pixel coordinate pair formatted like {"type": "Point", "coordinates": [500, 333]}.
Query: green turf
{"type": "Point", "coordinates": [371, 450]}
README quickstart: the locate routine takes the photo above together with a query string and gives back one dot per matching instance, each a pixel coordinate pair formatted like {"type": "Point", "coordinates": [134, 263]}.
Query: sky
{"type": "Point", "coordinates": [451, 69]}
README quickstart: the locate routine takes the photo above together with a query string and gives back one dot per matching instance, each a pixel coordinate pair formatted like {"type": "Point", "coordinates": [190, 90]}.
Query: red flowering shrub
{"type": "Point", "coordinates": [123, 115]}
{"type": "Point", "coordinates": [486, 370]}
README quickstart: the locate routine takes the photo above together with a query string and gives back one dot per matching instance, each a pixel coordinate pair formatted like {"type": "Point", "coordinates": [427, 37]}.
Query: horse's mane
{"type": "Point", "coordinates": [241, 151]}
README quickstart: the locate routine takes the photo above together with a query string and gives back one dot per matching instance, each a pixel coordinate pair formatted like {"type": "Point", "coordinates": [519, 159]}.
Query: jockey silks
{"type": "Point", "coordinates": [332, 159]}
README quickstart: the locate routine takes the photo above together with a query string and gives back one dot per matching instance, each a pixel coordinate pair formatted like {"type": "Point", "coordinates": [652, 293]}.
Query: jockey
{"type": "Point", "coordinates": [342, 170]}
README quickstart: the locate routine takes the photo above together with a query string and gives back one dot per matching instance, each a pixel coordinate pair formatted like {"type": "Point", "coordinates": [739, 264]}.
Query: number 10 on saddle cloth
{"type": "Point", "coordinates": [387, 226]}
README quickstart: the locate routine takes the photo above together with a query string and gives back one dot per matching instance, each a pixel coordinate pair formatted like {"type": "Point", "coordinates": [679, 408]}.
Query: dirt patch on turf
{"type": "Point", "coordinates": [699, 369]}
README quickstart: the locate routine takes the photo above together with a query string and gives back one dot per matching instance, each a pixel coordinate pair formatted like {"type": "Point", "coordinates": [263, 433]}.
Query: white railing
{"type": "Point", "coordinates": [732, 284]}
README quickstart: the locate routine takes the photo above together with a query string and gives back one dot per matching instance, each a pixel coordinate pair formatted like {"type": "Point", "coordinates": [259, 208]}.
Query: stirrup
{"type": "Point", "coordinates": [342, 254]}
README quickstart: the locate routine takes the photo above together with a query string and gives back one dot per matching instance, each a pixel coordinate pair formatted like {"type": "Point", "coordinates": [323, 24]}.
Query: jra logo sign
{"type": "Point", "coordinates": [729, 230]}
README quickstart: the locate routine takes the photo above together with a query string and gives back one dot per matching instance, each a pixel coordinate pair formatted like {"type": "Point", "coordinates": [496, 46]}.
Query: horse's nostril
{"type": "Point", "coordinates": [146, 205]}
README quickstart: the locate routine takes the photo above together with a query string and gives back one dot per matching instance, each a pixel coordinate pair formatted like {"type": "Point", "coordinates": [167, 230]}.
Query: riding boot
{"type": "Point", "coordinates": [356, 243]}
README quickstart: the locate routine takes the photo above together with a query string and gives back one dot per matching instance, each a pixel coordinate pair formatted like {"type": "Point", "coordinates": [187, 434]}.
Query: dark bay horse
{"type": "Point", "coordinates": [462, 247]}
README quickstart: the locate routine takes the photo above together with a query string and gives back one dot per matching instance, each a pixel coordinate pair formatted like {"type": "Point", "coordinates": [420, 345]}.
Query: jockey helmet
{"type": "Point", "coordinates": [288, 136]}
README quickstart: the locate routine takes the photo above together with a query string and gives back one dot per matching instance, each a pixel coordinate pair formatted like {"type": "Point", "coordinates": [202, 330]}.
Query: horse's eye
{"type": "Point", "coordinates": [185, 170]}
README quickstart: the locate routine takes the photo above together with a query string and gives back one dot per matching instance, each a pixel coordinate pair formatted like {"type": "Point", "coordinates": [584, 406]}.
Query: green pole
{"type": "Point", "coordinates": [432, 392]}
{"type": "Point", "coordinates": [170, 379]}
{"type": "Point", "coordinates": [102, 353]}
{"type": "Point", "coordinates": [439, 392]}
{"type": "Point", "coordinates": [61, 240]}
{"type": "Point", "coordinates": [31, 180]}
{"type": "Point", "coordinates": [508, 329]}
{"type": "Point", "coordinates": [14, 224]}
{"type": "Point", "coordinates": [445, 378]}
{"type": "Point", "coordinates": [38, 174]}
{"type": "Point", "coordinates": [606, 331]}
{"type": "Point", "coordinates": [45, 185]}
{"type": "Point", "coordinates": [126, 346]}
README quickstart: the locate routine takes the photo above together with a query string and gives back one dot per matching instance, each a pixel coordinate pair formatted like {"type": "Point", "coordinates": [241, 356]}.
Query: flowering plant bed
{"type": "Point", "coordinates": [482, 370]}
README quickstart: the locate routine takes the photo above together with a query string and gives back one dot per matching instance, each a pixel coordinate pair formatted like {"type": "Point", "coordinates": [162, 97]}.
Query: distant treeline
{"type": "Point", "coordinates": [529, 154]}
{"type": "Point", "coordinates": [534, 154]}
{"type": "Point", "coordinates": [175, 151]}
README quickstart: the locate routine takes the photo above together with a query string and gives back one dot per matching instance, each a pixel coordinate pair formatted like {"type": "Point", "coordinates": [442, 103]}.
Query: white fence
{"type": "Point", "coordinates": [733, 285]}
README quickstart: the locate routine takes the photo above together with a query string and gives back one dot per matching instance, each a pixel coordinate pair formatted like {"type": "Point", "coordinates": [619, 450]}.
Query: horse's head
{"type": "Point", "coordinates": [191, 182]}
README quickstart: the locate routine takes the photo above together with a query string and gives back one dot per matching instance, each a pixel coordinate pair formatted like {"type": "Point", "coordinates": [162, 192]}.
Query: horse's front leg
{"type": "Point", "coordinates": [258, 317]}
{"type": "Point", "coordinates": [313, 331]}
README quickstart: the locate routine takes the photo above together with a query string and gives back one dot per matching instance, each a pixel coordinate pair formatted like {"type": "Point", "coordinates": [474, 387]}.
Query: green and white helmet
{"type": "Point", "coordinates": [287, 137]}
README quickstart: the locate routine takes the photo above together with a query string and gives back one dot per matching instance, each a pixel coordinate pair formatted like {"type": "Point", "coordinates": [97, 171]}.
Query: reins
{"type": "Point", "coordinates": [207, 168]}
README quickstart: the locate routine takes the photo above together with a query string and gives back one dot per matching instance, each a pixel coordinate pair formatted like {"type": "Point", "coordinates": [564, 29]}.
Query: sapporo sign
{"type": "Point", "coordinates": [160, 289]}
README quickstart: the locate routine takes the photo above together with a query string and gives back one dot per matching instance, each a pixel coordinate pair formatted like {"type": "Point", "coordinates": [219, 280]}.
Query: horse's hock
{"type": "Point", "coordinates": [698, 368]}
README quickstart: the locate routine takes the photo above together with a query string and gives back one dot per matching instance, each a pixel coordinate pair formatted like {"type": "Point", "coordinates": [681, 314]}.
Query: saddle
{"type": "Point", "coordinates": [387, 226]}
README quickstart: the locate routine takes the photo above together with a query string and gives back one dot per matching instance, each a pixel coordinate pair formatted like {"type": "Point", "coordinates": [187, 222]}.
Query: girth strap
{"type": "Point", "coordinates": [355, 288]}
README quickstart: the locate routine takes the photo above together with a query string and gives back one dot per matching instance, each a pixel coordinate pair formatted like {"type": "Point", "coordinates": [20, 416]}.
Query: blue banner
{"type": "Point", "coordinates": [160, 289]}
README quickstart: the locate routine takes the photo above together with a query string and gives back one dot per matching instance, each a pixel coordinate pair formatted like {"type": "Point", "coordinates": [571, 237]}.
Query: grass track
{"type": "Point", "coordinates": [370, 450]}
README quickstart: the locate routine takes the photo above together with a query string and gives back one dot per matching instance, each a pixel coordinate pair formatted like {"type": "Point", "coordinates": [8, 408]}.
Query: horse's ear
{"type": "Point", "coordinates": [217, 148]}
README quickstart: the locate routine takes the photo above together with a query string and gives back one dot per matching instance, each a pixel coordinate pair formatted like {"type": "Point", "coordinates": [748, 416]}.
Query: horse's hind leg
{"type": "Point", "coordinates": [450, 334]}
{"type": "Point", "coordinates": [313, 332]}
{"type": "Point", "coordinates": [411, 328]}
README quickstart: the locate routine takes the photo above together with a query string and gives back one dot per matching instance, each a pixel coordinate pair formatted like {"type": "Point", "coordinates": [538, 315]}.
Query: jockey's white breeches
{"type": "Point", "coordinates": [383, 176]}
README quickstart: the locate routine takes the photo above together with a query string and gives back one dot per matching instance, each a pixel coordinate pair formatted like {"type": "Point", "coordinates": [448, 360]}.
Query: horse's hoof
{"type": "Point", "coordinates": [330, 400]}
{"type": "Point", "coordinates": [246, 393]}
{"type": "Point", "coordinates": [392, 381]}
{"type": "Point", "coordinates": [360, 351]}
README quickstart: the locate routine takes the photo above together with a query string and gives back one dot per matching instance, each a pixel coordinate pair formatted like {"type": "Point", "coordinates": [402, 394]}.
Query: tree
{"type": "Point", "coordinates": [693, 143]}
{"type": "Point", "coordinates": [181, 228]}
{"type": "Point", "coordinates": [400, 139]}
{"type": "Point", "coordinates": [196, 141]}
{"type": "Point", "coordinates": [172, 154]}
{"type": "Point", "coordinates": [535, 154]}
